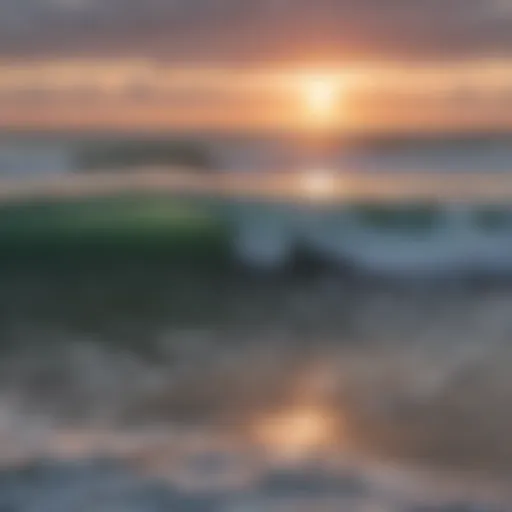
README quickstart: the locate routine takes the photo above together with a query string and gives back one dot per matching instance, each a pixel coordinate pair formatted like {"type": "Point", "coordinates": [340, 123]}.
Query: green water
{"type": "Point", "coordinates": [119, 228]}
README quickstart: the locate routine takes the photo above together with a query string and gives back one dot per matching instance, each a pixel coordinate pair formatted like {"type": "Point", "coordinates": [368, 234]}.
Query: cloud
{"type": "Point", "coordinates": [245, 31]}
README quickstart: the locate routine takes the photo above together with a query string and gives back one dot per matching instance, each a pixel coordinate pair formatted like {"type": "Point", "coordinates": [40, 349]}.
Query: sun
{"type": "Point", "coordinates": [322, 96]}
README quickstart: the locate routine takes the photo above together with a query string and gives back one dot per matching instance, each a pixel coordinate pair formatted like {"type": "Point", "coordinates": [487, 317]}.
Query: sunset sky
{"type": "Point", "coordinates": [256, 64]}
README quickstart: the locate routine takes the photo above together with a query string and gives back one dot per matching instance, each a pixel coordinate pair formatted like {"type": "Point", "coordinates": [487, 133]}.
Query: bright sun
{"type": "Point", "coordinates": [322, 95]}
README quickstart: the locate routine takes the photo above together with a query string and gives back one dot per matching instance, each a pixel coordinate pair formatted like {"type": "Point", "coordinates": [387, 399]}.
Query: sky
{"type": "Point", "coordinates": [253, 64]}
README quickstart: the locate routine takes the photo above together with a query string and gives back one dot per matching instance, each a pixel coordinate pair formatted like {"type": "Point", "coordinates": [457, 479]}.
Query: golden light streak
{"type": "Point", "coordinates": [144, 94]}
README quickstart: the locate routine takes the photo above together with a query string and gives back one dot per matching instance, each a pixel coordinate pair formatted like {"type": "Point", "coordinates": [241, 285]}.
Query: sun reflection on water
{"type": "Point", "coordinates": [318, 184]}
{"type": "Point", "coordinates": [296, 433]}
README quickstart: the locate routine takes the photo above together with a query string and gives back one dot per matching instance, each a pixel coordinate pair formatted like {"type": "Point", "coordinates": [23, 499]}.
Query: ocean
{"type": "Point", "coordinates": [452, 242]}
{"type": "Point", "coordinates": [24, 156]}
{"type": "Point", "coordinates": [146, 389]}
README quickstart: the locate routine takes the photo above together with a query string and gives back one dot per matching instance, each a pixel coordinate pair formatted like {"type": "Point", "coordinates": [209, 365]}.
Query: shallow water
{"type": "Point", "coordinates": [400, 405]}
{"type": "Point", "coordinates": [160, 470]}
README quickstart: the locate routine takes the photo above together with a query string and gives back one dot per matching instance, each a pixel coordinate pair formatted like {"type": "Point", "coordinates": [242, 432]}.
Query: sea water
{"type": "Point", "coordinates": [421, 376]}
{"type": "Point", "coordinates": [267, 234]}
